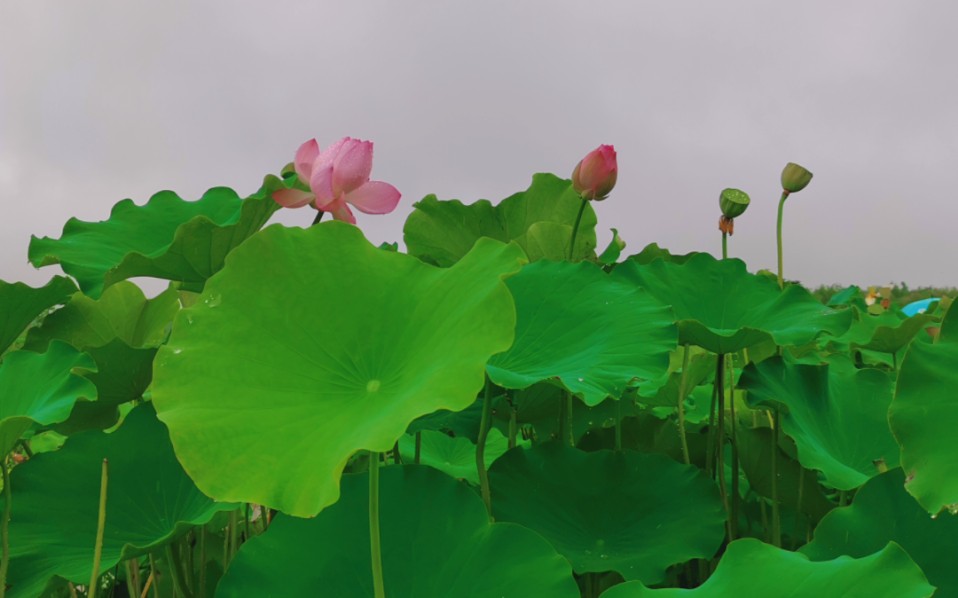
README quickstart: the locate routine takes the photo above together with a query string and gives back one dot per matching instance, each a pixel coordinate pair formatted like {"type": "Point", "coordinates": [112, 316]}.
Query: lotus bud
{"type": "Point", "coordinates": [733, 202]}
{"type": "Point", "coordinates": [795, 178]}
{"type": "Point", "coordinates": [595, 175]}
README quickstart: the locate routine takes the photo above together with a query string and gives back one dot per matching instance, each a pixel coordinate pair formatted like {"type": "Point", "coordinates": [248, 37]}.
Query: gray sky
{"type": "Point", "coordinates": [104, 100]}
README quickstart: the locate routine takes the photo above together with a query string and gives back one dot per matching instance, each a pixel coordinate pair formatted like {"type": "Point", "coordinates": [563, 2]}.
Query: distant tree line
{"type": "Point", "coordinates": [899, 293]}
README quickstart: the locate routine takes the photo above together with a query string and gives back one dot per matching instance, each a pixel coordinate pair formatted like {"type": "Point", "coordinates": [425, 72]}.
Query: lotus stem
{"type": "Point", "coordinates": [683, 381]}
{"type": "Point", "coordinates": [776, 514]}
{"type": "Point", "coordinates": [233, 533]}
{"type": "Point", "coordinates": [735, 483]}
{"type": "Point", "coordinates": [319, 216]}
{"type": "Point", "coordinates": [568, 409]}
{"type": "Point", "coordinates": [203, 559]}
{"type": "Point", "coordinates": [481, 447]}
{"type": "Point", "coordinates": [575, 228]}
{"type": "Point", "coordinates": [397, 459]}
{"type": "Point", "coordinates": [175, 566]}
{"type": "Point", "coordinates": [724, 245]}
{"type": "Point", "coordinates": [100, 527]}
{"type": "Point", "coordinates": [5, 527]}
{"type": "Point", "coordinates": [720, 434]}
{"type": "Point", "coordinates": [513, 427]}
{"type": "Point", "coordinates": [781, 209]}
{"type": "Point", "coordinates": [375, 547]}
{"type": "Point", "coordinates": [418, 456]}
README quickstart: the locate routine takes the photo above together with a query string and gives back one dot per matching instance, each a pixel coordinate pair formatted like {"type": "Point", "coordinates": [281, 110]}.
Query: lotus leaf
{"type": "Point", "coordinates": [41, 388]}
{"type": "Point", "coordinates": [167, 238]}
{"type": "Point", "coordinates": [721, 307]}
{"type": "Point", "coordinates": [924, 417]}
{"type": "Point", "coordinates": [317, 341]}
{"type": "Point", "coordinates": [883, 512]}
{"type": "Point", "coordinates": [436, 542]}
{"type": "Point", "coordinates": [837, 415]}
{"type": "Point", "coordinates": [539, 219]}
{"type": "Point", "coordinates": [21, 304]}
{"type": "Point", "coordinates": [590, 331]}
{"type": "Point", "coordinates": [455, 457]}
{"type": "Point", "coordinates": [53, 522]}
{"type": "Point", "coordinates": [752, 568]}
{"type": "Point", "coordinates": [629, 512]}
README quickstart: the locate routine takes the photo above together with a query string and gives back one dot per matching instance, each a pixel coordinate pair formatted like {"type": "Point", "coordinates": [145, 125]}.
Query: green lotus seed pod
{"type": "Point", "coordinates": [733, 202]}
{"type": "Point", "coordinates": [795, 178]}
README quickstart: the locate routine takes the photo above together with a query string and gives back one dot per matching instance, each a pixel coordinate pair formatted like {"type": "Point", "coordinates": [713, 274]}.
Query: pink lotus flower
{"type": "Point", "coordinates": [338, 177]}
{"type": "Point", "coordinates": [594, 176]}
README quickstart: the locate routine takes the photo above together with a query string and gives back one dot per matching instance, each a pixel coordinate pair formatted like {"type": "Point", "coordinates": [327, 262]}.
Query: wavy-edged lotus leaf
{"type": "Point", "coordinates": [722, 307]}
{"type": "Point", "coordinates": [592, 332]}
{"type": "Point", "coordinates": [150, 501]}
{"type": "Point", "coordinates": [464, 423]}
{"type": "Point", "coordinates": [837, 415]}
{"type": "Point", "coordinates": [629, 512]}
{"type": "Point", "coordinates": [168, 237]}
{"type": "Point", "coordinates": [41, 388]}
{"type": "Point", "coordinates": [887, 332]}
{"type": "Point", "coordinates": [794, 481]}
{"type": "Point", "coordinates": [924, 417]}
{"type": "Point", "coordinates": [648, 434]}
{"type": "Point", "coordinates": [317, 335]}
{"type": "Point", "coordinates": [122, 312]}
{"type": "Point", "coordinates": [454, 456]}
{"type": "Point", "coordinates": [850, 296]}
{"type": "Point", "coordinates": [652, 252]}
{"type": "Point", "coordinates": [436, 542]}
{"type": "Point", "coordinates": [21, 304]}
{"type": "Point", "coordinates": [752, 568]}
{"type": "Point", "coordinates": [881, 512]}
{"type": "Point", "coordinates": [539, 219]}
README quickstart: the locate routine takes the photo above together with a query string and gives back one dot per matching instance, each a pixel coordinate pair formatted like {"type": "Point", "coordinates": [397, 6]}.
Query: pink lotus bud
{"type": "Point", "coordinates": [594, 176]}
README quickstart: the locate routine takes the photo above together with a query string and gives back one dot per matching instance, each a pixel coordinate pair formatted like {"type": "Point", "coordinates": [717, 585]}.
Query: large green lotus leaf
{"type": "Point", "coordinates": [924, 417]}
{"type": "Point", "coordinates": [883, 512]}
{"type": "Point", "coordinates": [318, 336]}
{"type": "Point", "coordinates": [887, 332]}
{"type": "Point", "coordinates": [539, 219]}
{"type": "Point", "coordinates": [168, 237]}
{"type": "Point", "coordinates": [150, 500]}
{"type": "Point", "coordinates": [837, 415]}
{"type": "Point", "coordinates": [592, 332]}
{"type": "Point", "coordinates": [455, 457]}
{"type": "Point", "coordinates": [122, 312]}
{"type": "Point", "coordinates": [721, 307]}
{"type": "Point", "coordinates": [629, 512]}
{"type": "Point", "coordinates": [41, 388]}
{"type": "Point", "coordinates": [752, 568]}
{"type": "Point", "coordinates": [464, 423]}
{"type": "Point", "coordinates": [701, 367]}
{"type": "Point", "coordinates": [21, 304]}
{"type": "Point", "coordinates": [436, 542]}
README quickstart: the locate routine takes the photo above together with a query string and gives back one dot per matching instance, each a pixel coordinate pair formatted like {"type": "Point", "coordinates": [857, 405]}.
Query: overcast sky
{"type": "Point", "coordinates": [104, 100]}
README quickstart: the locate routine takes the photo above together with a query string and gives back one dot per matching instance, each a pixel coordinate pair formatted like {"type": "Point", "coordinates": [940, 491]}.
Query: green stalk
{"type": "Point", "coordinates": [683, 381]}
{"type": "Point", "coordinates": [233, 533]}
{"type": "Point", "coordinates": [724, 245]}
{"type": "Point", "coordinates": [781, 208]}
{"type": "Point", "coordinates": [203, 559]}
{"type": "Point", "coordinates": [418, 456]}
{"type": "Point", "coordinates": [375, 548]}
{"type": "Point", "coordinates": [720, 433]}
{"type": "Point", "coordinates": [481, 447]}
{"type": "Point", "coordinates": [175, 566]}
{"type": "Point", "coordinates": [575, 228]}
{"type": "Point", "coordinates": [735, 483]}
{"type": "Point", "coordinates": [568, 410]}
{"type": "Point", "coordinates": [5, 527]}
{"type": "Point", "coordinates": [100, 526]}
{"type": "Point", "coordinates": [513, 427]}
{"type": "Point", "coordinates": [776, 515]}
{"type": "Point", "coordinates": [319, 216]}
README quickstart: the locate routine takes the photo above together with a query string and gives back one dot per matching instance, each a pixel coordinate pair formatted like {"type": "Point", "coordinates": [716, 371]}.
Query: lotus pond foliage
{"type": "Point", "coordinates": [500, 408]}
